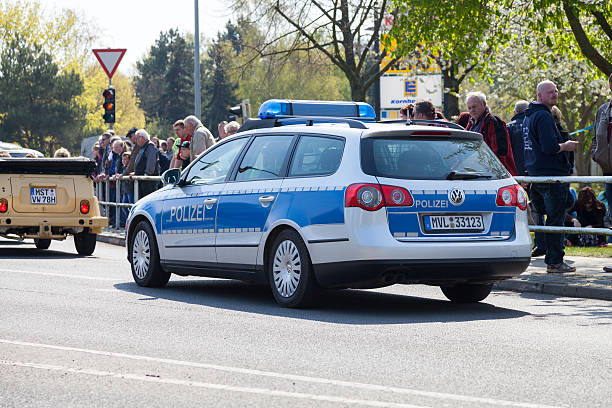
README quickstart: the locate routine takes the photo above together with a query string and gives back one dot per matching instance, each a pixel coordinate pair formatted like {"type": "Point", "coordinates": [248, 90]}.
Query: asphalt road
{"type": "Point", "coordinates": [76, 331]}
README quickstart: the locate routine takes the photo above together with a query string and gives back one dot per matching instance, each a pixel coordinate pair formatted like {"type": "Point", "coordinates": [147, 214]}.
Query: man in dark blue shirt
{"type": "Point", "coordinates": [546, 155]}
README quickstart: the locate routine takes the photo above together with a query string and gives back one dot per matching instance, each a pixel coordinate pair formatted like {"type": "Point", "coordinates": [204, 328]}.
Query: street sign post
{"type": "Point", "coordinates": [109, 58]}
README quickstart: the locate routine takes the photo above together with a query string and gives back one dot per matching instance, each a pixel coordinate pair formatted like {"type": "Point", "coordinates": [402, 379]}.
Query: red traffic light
{"type": "Point", "coordinates": [108, 94]}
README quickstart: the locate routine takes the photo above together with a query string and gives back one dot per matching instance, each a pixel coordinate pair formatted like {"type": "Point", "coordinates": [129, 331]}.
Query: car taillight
{"type": "Point", "coordinates": [84, 206]}
{"type": "Point", "coordinates": [3, 205]}
{"type": "Point", "coordinates": [372, 197]}
{"type": "Point", "coordinates": [512, 196]}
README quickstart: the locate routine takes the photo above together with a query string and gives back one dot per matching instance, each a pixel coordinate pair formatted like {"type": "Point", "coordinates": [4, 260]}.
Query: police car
{"type": "Point", "coordinates": [317, 195]}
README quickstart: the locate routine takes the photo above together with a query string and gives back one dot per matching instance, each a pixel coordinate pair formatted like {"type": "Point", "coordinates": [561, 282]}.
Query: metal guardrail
{"type": "Point", "coordinates": [567, 179]}
{"type": "Point", "coordinates": [102, 189]}
{"type": "Point", "coordinates": [521, 179]}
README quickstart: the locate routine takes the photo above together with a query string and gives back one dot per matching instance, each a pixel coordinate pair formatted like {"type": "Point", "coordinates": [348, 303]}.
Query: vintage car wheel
{"type": "Point", "coordinates": [467, 293]}
{"type": "Point", "coordinates": [42, 243]}
{"type": "Point", "coordinates": [144, 257]}
{"type": "Point", "coordinates": [85, 243]}
{"type": "Point", "coordinates": [290, 271]}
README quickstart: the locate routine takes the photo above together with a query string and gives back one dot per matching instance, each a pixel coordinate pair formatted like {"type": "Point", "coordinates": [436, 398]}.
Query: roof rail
{"type": "Point", "coordinates": [310, 120]}
{"type": "Point", "coordinates": [425, 122]}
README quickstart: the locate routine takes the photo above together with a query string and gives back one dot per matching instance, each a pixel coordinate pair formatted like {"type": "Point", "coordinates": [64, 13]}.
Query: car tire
{"type": "Point", "coordinates": [144, 258]}
{"type": "Point", "coordinates": [42, 243]}
{"type": "Point", "coordinates": [85, 243]}
{"type": "Point", "coordinates": [467, 293]}
{"type": "Point", "coordinates": [289, 271]}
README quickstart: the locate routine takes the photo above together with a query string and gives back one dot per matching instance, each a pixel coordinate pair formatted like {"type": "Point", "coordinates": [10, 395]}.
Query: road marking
{"type": "Point", "coordinates": [214, 386]}
{"type": "Point", "coordinates": [271, 374]}
{"type": "Point", "coordinates": [62, 275]}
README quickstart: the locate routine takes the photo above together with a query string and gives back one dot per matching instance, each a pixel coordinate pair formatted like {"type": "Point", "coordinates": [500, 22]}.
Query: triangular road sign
{"type": "Point", "coordinates": [109, 58]}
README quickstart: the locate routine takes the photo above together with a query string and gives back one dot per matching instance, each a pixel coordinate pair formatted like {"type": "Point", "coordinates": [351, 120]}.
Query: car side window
{"type": "Point", "coordinates": [213, 166]}
{"type": "Point", "coordinates": [265, 157]}
{"type": "Point", "coordinates": [316, 155]}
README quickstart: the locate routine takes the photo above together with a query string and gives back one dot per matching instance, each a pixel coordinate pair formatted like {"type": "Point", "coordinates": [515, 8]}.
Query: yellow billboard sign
{"type": "Point", "coordinates": [417, 62]}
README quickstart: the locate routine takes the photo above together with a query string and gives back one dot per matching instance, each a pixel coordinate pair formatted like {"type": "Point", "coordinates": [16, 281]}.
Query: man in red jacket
{"type": "Point", "coordinates": [492, 128]}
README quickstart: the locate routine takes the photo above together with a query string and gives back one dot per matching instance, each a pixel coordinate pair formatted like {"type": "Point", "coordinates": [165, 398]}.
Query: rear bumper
{"type": "Point", "coordinates": [45, 225]}
{"type": "Point", "coordinates": [378, 273]}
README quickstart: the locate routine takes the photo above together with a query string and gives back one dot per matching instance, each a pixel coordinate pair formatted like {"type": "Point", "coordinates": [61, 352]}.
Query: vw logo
{"type": "Point", "coordinates": [456, 196]}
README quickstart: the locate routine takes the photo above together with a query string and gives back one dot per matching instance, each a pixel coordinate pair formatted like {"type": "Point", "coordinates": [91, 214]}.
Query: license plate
{"type": "Point", "coordinates": [42, 195]}
{"type": "Point", "coordinates": [453, 223]}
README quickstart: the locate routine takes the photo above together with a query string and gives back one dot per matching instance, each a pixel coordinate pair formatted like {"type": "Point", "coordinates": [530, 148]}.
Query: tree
{"type": "Point", "coordinates": [281, 75]}
{"type": "Point", "coordinates": [587, 25]}
{"type": "Point", "coordinates": [515, 75]}
{"type": "Point", "coordinates": [65, 35]}
{"type": "Point", "coordinates": [164, 83]}
{"type": "Point", "coordinates": [37, 103]}
{"type": "Point", "coordinates": [219, 89]}
{"type": "Point", "coordinates": [345, 32]}
{"type": "Point", "coordinates": [460, 37]}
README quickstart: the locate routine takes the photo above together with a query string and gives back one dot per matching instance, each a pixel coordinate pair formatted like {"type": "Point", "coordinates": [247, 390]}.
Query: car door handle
{"type": "Point", "coordinates": [266, 199]}
{"type": "Point", "coordinates": [209, 202]}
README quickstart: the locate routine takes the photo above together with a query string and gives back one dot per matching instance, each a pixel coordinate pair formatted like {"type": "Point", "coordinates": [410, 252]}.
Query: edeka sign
{"type": "Point", "coordinates": [398, 90]}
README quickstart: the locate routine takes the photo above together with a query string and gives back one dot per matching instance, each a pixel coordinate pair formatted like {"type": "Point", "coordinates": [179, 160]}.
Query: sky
{"type": "Point", "coordinates": [136, 24]}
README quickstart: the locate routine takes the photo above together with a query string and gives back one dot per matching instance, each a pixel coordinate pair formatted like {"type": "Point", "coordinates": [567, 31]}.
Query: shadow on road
{"type": "Point", "coordinates": [338, 306]}
{"type": "Point", "coordinates": [24, 252]}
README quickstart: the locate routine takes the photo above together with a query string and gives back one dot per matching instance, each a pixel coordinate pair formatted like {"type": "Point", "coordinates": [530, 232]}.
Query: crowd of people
{"type": "Point", "coordinates": [141, 154]}
{"type": "Point", "coordinates": [535, 143]}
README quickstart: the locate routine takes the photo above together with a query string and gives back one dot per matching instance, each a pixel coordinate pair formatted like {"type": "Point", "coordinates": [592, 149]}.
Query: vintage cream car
{"type": "Point", "coordinates": [47, 199]}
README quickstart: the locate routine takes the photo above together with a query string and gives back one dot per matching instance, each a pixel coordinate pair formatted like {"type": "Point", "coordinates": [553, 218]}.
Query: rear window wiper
{"type": "Point", "coordinates": [457, 175]}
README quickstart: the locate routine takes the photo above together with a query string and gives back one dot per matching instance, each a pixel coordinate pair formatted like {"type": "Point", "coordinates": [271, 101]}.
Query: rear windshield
{"type": "Point", "coordinates": [430, 159]}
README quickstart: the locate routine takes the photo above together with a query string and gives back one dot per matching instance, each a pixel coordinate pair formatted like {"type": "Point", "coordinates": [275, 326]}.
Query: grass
{"type": "Point", "coordinates": [595, 252]}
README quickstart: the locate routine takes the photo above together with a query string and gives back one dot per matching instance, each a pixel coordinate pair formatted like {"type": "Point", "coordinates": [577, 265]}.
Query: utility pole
{"type": "Point", "coordinates": [196, 65]}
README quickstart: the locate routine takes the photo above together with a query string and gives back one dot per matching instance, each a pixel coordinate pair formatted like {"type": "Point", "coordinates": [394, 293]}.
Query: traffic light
{"type": "Point", "coordinates": [240, 112]}
{"type": "Point", "coordinates": [109, 105]}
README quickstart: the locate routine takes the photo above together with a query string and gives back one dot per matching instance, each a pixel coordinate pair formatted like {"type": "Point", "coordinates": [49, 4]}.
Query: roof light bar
{"type": "Point", "coordinates": [275, 108]}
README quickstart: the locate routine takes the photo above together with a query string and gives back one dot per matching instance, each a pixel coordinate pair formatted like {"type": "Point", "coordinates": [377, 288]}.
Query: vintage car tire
{"type": "Point", "coordinates": [85, 243]}
{"type": "Point", "coordinates": [144, 258]}
{"type": "Point", "coordinates": [467, 293]}
{"type": "Point", "coordinates": [289, 271]}
{"type": "Point", "coordinates": [42, 243]}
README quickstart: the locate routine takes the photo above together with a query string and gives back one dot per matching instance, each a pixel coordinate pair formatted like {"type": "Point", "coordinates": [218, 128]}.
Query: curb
{"type": "Point", "coordinates": [589, 292]}
{"type": "Point", "coordinates": [110, 240]}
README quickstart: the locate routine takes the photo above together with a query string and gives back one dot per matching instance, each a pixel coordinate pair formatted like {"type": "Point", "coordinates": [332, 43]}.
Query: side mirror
{"type": "Point", "coordinates": [171, 176]}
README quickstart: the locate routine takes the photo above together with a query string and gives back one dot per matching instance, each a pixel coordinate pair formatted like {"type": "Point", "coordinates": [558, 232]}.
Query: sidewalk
{"type": "Point", "coordinates": [589, 280]}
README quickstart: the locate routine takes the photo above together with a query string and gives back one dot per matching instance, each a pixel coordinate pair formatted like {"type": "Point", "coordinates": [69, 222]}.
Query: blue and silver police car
{"type": "Point", "coordinates": [318, 195]}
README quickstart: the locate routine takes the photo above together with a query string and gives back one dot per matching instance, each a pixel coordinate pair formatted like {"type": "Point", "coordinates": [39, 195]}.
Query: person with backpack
{"type": "Point", "coordinates": [492, 128]}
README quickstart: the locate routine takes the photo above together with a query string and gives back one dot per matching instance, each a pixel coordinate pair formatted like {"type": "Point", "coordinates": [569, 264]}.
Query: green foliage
{"type": "Point", "coordinates": [219, 89]}
{"type": "Point", "coordinates": [579, 29]}
{"type": "Point", "coordinates": [66, 36]}
{"type": "Point", "coordinates": [37, 103]}
{"type": "Point", "coordinates": [278, 74]}
{"type": "Point", "coordinates": [164, 84]}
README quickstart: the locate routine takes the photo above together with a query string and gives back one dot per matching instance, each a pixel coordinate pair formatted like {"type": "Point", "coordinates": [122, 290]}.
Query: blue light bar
{"type": "Point", "coordinates": [282, 107]}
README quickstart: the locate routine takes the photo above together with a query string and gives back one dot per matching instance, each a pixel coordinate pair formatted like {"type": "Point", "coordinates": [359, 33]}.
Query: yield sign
{"type": "Point", "coordinates": [109, 58]}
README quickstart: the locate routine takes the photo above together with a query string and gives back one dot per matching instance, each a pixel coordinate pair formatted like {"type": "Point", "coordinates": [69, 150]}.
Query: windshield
{"type": "Point", "coordinates": [430, 159]}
